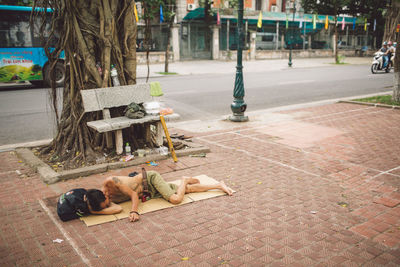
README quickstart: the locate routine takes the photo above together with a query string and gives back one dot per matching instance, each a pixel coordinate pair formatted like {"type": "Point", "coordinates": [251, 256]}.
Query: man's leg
{"type": "Point", "coordinates": [192, 185]}
{"type": "Point", "coordinates": [195, 188]}
{"type": "Point", "coordinates": [180, 192]}
{"type": "Point", "coordinates": [385, 61]}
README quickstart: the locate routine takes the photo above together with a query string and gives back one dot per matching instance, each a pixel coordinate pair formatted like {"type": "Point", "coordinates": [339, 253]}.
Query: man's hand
{"type": "Point", "coordinates": [133, 217]}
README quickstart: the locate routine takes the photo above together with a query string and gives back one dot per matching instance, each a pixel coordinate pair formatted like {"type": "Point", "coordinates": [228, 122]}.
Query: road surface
{"type": "Point", "coordinates": [26, 114]}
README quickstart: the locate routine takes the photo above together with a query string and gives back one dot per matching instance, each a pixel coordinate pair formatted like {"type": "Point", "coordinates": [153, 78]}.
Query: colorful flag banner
{"type": "Point", "coordinates": [326, 22]}
{"type": "Point", "coordinates": [354, 23]}
{"type": "Point", "coordinates": [287, 21]}
{"type": "Point", "coordinates": [398, 28]}
{"type": "Point", "coordinates": [343, 24]}
{"type": "Point", "coordinates": [135, 11]}
{"type": "Point", "coordinates": [218, 19]}
{"type": "Point", "coordinates": [314, 21]}
{"type": "Point", "coordinates": [161, 14]}
{"type": "Point", "coordinates": [365, 24]}
{"type": "Point", "coordinates": [374, 24]}
{"type": "Point", "coordinates": [259, 23]}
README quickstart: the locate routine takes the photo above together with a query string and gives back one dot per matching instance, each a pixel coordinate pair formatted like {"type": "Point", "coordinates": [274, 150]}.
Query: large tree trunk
{"type": "Point", "coordinates": [392, 20]}
{"type": "Point", "coordinates": [166, 63]}
{"type": "Point", "coordinates": [93, 35]}
{"type": "Point", "coordinates": [396, 77]}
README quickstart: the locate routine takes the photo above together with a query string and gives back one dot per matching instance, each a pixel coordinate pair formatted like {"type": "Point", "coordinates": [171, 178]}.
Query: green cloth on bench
{"type": "Point", "coordinates": [155, 89]}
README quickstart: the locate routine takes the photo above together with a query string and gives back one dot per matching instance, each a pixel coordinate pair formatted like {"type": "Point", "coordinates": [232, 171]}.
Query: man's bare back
{"type": "Point", "coordinates": [112, 190]}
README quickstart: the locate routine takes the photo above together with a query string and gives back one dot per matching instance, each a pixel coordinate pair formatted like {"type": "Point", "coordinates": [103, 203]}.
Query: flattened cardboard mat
{"type": "Point", "coordinates": [155, 204]}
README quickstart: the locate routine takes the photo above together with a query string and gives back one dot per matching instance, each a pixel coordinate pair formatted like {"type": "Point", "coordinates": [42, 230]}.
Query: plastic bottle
{"type": "Point", "coordinates": [114, 76]}
{"type": "Point", "coordinates": [127, 149]}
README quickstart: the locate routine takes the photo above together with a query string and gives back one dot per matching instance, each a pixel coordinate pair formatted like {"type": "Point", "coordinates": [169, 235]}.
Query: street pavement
{"type": "Point", "coordinates": [223, 67]}
{"type": "Point", "coordinates": [315, 186]}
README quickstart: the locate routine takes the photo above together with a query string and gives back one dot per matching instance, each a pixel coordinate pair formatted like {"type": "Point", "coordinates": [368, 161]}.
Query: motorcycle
{"type": "Point", "coordinates": [377, 63]}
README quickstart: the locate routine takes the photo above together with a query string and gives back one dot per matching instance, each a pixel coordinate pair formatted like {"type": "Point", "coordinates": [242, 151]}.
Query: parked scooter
{"type": "Point", "coordinates": [377, 63]}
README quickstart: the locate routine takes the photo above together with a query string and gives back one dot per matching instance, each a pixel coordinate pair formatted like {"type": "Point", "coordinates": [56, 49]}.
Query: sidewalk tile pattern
{"type": "Point", "coordinates": [325, 197]}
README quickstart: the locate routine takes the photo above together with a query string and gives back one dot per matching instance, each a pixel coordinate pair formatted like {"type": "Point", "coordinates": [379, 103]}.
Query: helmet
{"type": "Point", "coordinates": [384, 43]}
{"type": "Point", "coordinates": [389, 43]}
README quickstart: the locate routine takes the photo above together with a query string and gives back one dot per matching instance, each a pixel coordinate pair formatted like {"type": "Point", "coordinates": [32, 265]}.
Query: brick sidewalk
{"type": "Point", "coordinates": [318, 189]}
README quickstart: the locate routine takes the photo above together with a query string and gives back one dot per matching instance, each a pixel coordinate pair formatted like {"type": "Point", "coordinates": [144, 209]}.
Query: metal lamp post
{"type": "Point", "coordinates": [291, 8]}
{"type": "Point", "coordinates": [238, 106]}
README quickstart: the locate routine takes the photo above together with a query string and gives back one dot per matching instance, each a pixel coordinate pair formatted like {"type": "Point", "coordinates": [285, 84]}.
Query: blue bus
{"type": "Point", "coordinates": [21, 56]}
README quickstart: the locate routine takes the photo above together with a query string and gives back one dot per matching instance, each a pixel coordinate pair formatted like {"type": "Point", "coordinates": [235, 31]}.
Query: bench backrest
{"type": "Point", "coordinates": [105, 98]}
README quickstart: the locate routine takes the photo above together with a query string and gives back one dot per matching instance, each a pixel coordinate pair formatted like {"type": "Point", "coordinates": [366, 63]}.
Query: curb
{"type": "Point", "coordinates": [49, 176]}
{"type": "Point", "coordinates": [10, 147]}
{"type": "Point", "coordinates": [369, 104]}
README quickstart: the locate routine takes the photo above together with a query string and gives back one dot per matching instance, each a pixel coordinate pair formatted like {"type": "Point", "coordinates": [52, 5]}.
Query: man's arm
{"type": "Point", "coordinates": [112, 209]}
{"type": "Point", "coordinates": [126, 190]}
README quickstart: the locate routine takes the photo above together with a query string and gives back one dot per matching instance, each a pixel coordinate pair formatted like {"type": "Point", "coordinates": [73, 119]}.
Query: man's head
{"type": "Point", "coordinates": [97, 200]}
{"type": "Point", "coordinates": [389, 43]}
{"type": "Point", "coordinates": [384, 44]}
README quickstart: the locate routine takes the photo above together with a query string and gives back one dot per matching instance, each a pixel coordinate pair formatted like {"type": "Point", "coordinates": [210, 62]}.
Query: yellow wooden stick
{"type": "Point", "coordinates": [171, 147]}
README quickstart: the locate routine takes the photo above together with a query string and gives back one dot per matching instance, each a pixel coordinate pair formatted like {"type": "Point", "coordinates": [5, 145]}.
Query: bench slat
{"type": "Point", "coordinates": [118, 123]}
{"type": "Point", "coordinates": [101, 98]}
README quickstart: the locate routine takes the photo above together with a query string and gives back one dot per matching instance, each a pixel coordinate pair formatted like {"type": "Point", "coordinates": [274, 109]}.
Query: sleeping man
{"type": "Point", "coordinates": [151, 185]}
{"type": "Point", "coordinates": [80, 202]}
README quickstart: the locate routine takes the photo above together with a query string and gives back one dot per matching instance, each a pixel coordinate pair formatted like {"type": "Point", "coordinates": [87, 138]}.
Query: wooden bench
{"type": "Point", "coordinates": [105, 98]}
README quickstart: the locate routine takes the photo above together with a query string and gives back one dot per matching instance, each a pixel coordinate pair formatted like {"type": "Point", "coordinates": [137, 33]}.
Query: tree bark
{"type": "Point", "coordinates": [396, 77]}
{"type": "Point", "coordinates": [392, 19]}
{"type": "Point", "coordinates": [91, 32]}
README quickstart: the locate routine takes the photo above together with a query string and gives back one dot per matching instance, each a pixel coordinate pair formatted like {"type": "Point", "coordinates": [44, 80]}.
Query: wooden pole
{"type": "Point", "coordinates": [171, 147]}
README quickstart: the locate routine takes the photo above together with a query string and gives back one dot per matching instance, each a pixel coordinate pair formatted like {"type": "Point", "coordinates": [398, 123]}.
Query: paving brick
{"type": "Point", "coordinates": [388, 202]}
{"type": "Point", "coordinates": [267, 222]}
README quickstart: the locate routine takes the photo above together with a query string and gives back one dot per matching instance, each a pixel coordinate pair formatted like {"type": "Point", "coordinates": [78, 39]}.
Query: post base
{"type": "Point", "coordinates": [238, 118]}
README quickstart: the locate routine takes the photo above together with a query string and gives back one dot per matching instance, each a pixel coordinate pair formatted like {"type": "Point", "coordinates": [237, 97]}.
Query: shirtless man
{"type": "Point", "coordinates": [123, 188]}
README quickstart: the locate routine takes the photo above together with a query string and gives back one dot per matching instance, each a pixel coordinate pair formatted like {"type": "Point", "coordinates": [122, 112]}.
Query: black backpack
{"type": "Point", "coordinates": [71, 205]}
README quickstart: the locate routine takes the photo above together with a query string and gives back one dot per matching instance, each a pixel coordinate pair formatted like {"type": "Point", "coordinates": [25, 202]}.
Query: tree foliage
{"type": "Point", "coordinates": [327, 7]}
{"type": "Point", "coordinates": [369, 9]}
{"type": "Point", "coordinates": [93, 35]}
{"type": "Point", "coordinates": [392, 19]}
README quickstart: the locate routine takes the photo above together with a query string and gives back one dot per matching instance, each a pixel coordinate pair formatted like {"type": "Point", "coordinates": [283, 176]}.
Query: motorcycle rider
{"type": "Point", "coordinates": [384, 49]}
{"type": "Point", "coordinates": [389, 53]}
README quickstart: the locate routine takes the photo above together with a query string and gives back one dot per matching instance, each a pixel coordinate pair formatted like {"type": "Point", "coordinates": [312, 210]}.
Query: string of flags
{"type": "Point", "coordinates": [259, 22]}
{"type": "Point", "coordinates": [315, 20]}
{"type": "Point", "coordinates": [287, 21]}
{"type": "Point", "coordinates": [161, 15]}
{"type": "Point", "coordinates": [326, 22]}
{"type": "Point", "coordinates": [301, 21]}
{"type": "Point", "coordinates": [135, 11]}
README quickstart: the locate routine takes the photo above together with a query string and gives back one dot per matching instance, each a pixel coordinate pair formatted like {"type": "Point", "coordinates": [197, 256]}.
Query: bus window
{"type": "Point", "coordinates": [15, 30]}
